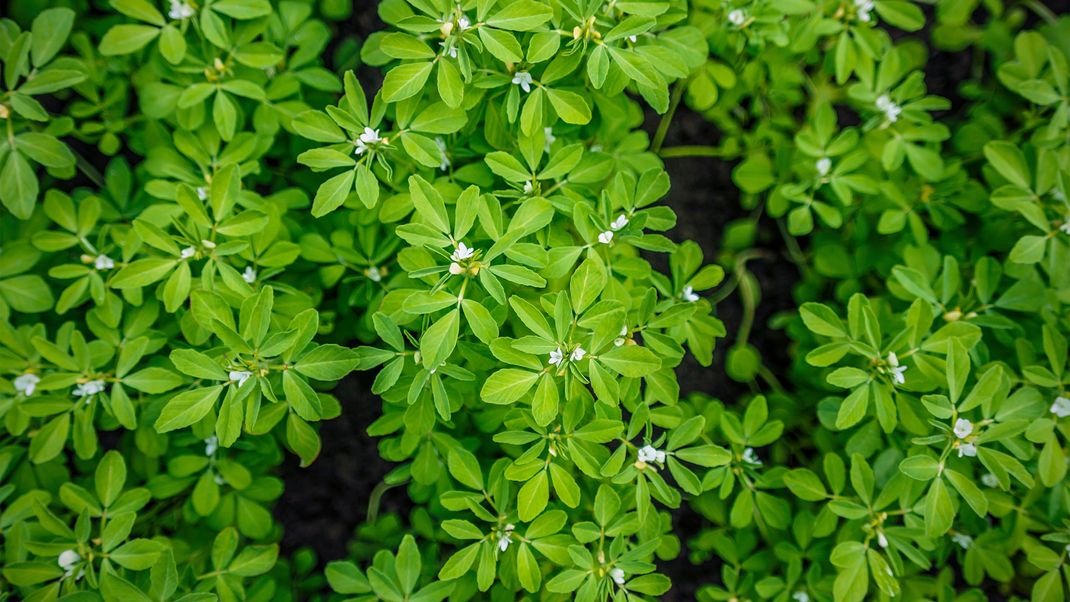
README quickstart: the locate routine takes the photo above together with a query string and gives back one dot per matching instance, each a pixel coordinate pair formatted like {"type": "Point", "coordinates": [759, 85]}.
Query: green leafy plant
{"type": "Point", "coordinates": [214, 211]}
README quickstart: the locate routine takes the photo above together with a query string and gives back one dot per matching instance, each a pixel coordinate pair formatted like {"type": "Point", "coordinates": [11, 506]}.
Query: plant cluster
{"type": "Point", "coordinates": [209, 220]}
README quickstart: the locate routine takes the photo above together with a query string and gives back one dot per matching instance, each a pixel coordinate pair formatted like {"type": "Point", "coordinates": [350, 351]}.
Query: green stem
{"type": "Point", "coordinates": [690, 151]}
{"type": "Point", "coordinates": [666, 120]}
{"type": "Point", "coordinates": [375, 499]}
{"type": "Point", "coordinates": [1041, 11]}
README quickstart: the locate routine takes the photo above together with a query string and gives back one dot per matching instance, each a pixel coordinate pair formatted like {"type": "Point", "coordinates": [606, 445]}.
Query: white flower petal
{"type": "Point", "coordinates": [963, 428]}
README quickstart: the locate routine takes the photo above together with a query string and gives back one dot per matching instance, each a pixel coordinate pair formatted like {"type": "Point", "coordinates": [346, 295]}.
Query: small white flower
{"type": "Point", "coordinates": [619, 223]}
{"type": "Point", "coordinates": [26, 383]}
{"type": "Point", "coordinates": [463, 23]}
{"type": "Point", "coordinates": [1061, 407]}
{"type": "Point", "coordinates": [800, 596]}
{"type": "Point", "coordinates": [522, 79]}
{"type": "Point", "coordinates": [864, 8]}
{"type": "Point", "coordinates": [504, 537]}
{"type": "Point", "coordinates": [689, 295]}
{"type": "Point", "coordinates": [557, 356]}
{"type": "Point", "coordinates": [462, 252]}
{"type": "Point", "coordinates": [750, 457]}
{"type": "Point", "coordinates": [367, 138]}
{"type": "Point", "coordinates": [963, 428]}
{"type": "Point", "coordinates": [187, 252]}
{"type": "Point", "coordinates": [374, 274]}
{"type": "Point", "coordinates": [737, 17]}
{"type": "Point", "coordinates": [823, 165]}
{"type": "Point", "coordinates": [889, 108]}
{"type": "Point", "coordinates": [963, 540]}
{"type": "Point", "coordinates": [606, 237]}
{"type": "Point", "coordinates": [89, 388]}
{"type": "Point", "coordinates": [370, 136]}
{"type": "Point", "coordinates": [617, 575]}
{"type": "Point", "coordinates": [68, 559]}
{"type": "Point", "coordinates": [528, 187]}
{"type": "Point", "coordinates": [633, 39]}
{"type": "Point", "coordinates": [456, 269]}
{"type": "Point", "coordinates": [620, 340]}
{"type": "Point", "coordinates": [202, 193]}
{"type": "Point", "coordinates": [897, 370]}
{"type": "Point", "coordinates": [968, 450]}
{"type": "Point", "coordinates": [211, 444]}
{"type": "Point", "coordinates": [443, 157]}
{"type": "Point", "coordinates": [103, 262]}
{"type": "Point", "coordinates": [989, 480]}
{"type": "Point", "coordinates": [577, 354]}
{"type": "Point", "coordinates": [218, 479]}
{"type": "Point", "coordinates": [550, 138]}
{"type": "Point", "coordinates": [1065, 228]}
{"type": "Point", "coordinates": [446, 28]}
{"type": "Point", "coordinates": [648, 453]}
{"type": "Point", "coordinates": [180, 10]}
{"type": "Point", "coordinates": [239, 376]}
{"type": "Point", "coordinates": [249, 275]}
{"type": "Point", "coordinates": [882, 541]}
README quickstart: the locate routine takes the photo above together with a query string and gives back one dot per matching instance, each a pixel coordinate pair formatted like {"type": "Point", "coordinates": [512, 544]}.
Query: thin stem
{"type": "Point", "coordinates": [690, 151]}
{"type": "Point", "coordinates": [87, 168]}
{"type": "Point", "coordinates": [666, 120]}
{"type": "Point", "coordinates": [1041, 11]}
{"type": "Point", "coordinates": [375, 499]}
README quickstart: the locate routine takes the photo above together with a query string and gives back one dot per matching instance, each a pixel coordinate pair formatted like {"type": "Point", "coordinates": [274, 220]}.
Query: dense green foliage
{"type": "Point", "coordinates": [208, 221]}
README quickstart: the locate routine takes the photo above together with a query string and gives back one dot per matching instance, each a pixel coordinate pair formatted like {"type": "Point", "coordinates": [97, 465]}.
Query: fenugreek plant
{"type": "Point", "coordinates": [209, 220]}
{"type": "Point", "coordinates": [929, 390]}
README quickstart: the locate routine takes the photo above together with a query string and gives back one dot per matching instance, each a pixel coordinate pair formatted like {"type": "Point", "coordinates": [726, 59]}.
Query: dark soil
{"type": "Point", "coordinates": [324, 503]}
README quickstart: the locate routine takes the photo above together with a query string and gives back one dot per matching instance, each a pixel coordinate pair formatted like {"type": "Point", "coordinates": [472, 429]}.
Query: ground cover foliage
{"type": "Point", "coordinates": [209, 220]}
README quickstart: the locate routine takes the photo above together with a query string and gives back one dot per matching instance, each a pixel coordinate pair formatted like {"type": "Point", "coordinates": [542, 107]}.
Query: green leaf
{"type": "Point", "coordinates": [587, 283]}
{"type": "Point", "coordinates": [50, 439]}
{"type": "Point", "coordinates": [405, 81]}
{"type": "Point", "coordinates": [45, 149]}
{"type": "Point", "coordinates": [127, 38]}
{"type": "Point", "coordinates": [507, 386]}
{"type": "Point", "coordinates": [465, 468]}
{"type": "Point", "coordinates": [969, 491]}
{"type": "Point", "coordinates": [110, 477]}
{"type": "Point", "coordinates": [254, 560]}
{"type": "Point", "coordinates": [18, 186]}
{"type": "Point", "coordinates": [1009, 161]}
{"type": "Point", "coordinates": [521, 15]}
{"type": "Point", "coordinates": [345, 578]}
{"type": "Point", "coordinates": [532, 498]}
{"type": "Point", "coordinates": [331, 194]}
{"type": "Point", "coordinates": [569, 106]}
{"type": "Point", "coordinates": [805, 484]}
{"type": "Point", "coordinates": [939, 510]}
{"type": "Point", "coordinates": [901, 13]}
{"type": "Point", "coordinates": [631, 360]}
{"type": "Point", "coordinates": [920, 467]}
{"type": "Point", "coordinates": [853, 408]}
{"type": "Point", "coordinates": [186, 408]}
{"type": "Point", "coordinates": [327, 362]}
{"type": "Point", "coordinates": [822, 320]}
{"type": "Point", "coordinates": [198, 365]}
{"type": "Point", "coordinates": [136, 554]}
